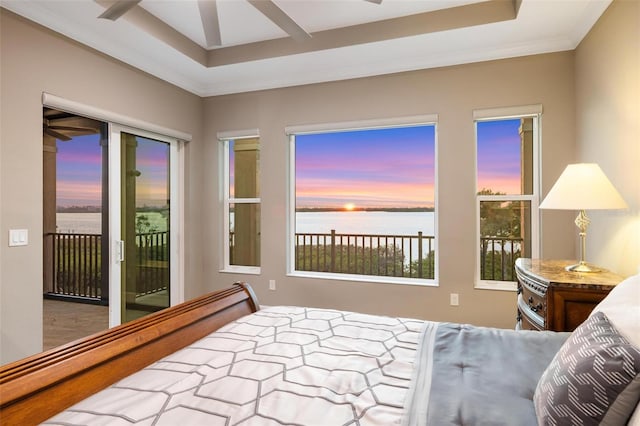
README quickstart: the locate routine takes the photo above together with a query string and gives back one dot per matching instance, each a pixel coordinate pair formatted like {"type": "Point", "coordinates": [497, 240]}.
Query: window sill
{"type": "Point", "coordinates": [364, 278]}
{"type": "Point", "coordinates": [249, 270]}
{"type": "Point", "coordinates": [496, 285]}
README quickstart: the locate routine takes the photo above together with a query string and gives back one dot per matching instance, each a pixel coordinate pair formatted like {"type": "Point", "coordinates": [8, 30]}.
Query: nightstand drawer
{"type": "Point", "coordinates": [533, 302]}
{"type": "Point", "coordinates": [527, 318]}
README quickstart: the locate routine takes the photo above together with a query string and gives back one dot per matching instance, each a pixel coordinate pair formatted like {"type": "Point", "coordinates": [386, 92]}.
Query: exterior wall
{"type": "Point", "coordinates": [608, 130]}
{"type": "Point", "coordinates": [452, 93]}
{"type": "Point", "coordinates": [35, 60]}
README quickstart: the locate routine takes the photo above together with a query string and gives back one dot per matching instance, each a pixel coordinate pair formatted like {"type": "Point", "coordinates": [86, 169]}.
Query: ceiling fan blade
{"type": "Point", "coordinates": [210, 22]}
{"type": "Point", "coordinates": [119, 8]}
{"type": "Point", "coordinates": [281, 19]}
{"type": "Point", "coordinates": [374, 1]}
{"type": "Point", "coordinates": [55, 134]}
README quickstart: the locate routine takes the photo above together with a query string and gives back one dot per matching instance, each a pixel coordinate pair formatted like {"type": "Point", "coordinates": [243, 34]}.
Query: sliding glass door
{"type": "Point", "coordinates": [143, 223]}
{"type": "Point", "coordinates": [111, 219]}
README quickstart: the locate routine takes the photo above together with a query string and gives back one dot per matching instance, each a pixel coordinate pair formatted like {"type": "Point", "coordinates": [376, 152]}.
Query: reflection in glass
{"type": "Point", "coordinates": [145, 225]}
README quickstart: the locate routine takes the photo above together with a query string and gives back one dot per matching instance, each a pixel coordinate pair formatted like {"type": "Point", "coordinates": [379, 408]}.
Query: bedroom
{"type": "Point", "coordinates": [574, 86]}
{"type": "Point", "coordinates": [590, 113]}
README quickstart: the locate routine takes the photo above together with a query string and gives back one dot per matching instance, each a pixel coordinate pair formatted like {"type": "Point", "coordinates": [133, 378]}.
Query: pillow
{"type": "Point", "coordinates": [635, 418]}
{"type": "Point", "coordinates": [593, 379]}
{"type": "Point", "coordinates": [622, 307]}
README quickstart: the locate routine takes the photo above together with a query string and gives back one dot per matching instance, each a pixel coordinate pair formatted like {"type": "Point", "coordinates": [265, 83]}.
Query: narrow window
{"type": "Point", "coordinates": [364, 204]}
{"type": "Point", "coordinates": [242, 204]}
{"type": "Point", "coordinates": [507, 193]}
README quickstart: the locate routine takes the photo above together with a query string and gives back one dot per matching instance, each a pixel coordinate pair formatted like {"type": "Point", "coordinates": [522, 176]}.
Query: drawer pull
{"type": "Point", "coordinates": [535, 308]}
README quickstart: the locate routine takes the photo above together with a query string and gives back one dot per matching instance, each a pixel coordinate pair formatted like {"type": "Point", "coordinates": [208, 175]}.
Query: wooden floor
{"type": "Point", "coordinates": [64, 322]}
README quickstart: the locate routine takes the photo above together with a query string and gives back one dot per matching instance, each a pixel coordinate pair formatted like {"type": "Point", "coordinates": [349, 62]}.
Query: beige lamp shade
{"type": "Point", "coordinates": [583, 186]}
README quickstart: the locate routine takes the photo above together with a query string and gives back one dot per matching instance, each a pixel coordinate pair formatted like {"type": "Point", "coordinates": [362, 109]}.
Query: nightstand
{"type": "Point", "coordinates": [551, 298]}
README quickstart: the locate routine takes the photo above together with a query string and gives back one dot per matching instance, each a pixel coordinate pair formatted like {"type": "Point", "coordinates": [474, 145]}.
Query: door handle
{"type": "Point", "coordinates": [119, 250]}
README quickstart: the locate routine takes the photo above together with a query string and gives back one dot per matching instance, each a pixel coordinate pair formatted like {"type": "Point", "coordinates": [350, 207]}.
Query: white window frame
{"type": "Point", "coordinates": [498, 114]}
{"type": "Point", "coordinates": [227, 200]}
{"type": "Point", "coordinates": [292, 132]}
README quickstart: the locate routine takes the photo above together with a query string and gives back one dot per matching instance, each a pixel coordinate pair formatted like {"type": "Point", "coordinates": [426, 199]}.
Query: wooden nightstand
{"type": "Point", "coordinates": [551, 298]}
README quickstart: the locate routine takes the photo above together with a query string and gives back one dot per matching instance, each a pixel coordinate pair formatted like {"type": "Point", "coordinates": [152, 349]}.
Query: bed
{"type": "Point", "coordinates": [221, 360]}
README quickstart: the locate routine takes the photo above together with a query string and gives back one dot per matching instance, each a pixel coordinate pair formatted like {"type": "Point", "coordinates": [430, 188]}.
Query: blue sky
{"type": "Point", "coordinates": [499, 156]}
{"type": "Point", "coordinates": [79, 172]}
{"type": "Point", "coordinates": [392, 167]}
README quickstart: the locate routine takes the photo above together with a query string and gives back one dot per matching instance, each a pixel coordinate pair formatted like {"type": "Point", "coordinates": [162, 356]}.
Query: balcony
{"type": "Point", "coordinates": [77, 267]}
{"type": "Point", "coordinates": [77, 271]}
{"type": "Point", "coordinates": [408, 256]}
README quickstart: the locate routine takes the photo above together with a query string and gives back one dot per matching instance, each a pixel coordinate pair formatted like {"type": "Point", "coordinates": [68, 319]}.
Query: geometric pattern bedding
{"type": "Point", "coordinates": [280, 365]}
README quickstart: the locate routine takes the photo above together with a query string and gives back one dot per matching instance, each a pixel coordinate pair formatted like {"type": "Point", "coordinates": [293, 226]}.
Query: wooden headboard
{"type": "Point", "coordinates": [35, 388]}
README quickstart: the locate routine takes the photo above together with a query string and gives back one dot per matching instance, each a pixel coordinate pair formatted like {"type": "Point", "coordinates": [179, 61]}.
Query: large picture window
{"type": "Point", "coordinates": [241, 203]}
{"type": "Point", "coordinates": [507, 194]}
{"type": "Point", "coordinates": [364, 204]}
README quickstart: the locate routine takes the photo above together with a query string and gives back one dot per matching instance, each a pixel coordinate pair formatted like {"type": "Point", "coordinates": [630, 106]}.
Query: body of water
{"type": "Point", "coordinates": [364, 222]}
{"type": "Point", "coordinates": [358, 222]}
{"type": "Point", "coordinates": [78, 223]}
{"type": "Point", "coordinates": [89, 223]}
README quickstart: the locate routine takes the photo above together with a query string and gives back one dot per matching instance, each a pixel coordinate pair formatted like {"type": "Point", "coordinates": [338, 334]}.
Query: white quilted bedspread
{"type": "Point", "coordinates": [279, 366]}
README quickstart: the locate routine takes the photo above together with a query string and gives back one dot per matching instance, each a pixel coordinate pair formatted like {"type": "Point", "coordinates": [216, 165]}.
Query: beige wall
{"type": "Point", "coordinates": [35, 60]}
{"type": "Point", "coordinates": [608, 129]}
{"type": "Point", "coordinates": [452, 93]}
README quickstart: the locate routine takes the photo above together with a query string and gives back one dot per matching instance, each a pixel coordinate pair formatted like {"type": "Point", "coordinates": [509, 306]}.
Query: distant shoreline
{"type": "Point", "coordinates": [98, 209]}
{"type": "Point", "coordinates": [364, 209]}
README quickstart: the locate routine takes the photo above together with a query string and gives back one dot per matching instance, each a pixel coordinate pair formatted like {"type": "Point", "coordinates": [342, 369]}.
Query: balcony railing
{"type": "Point", "coordinates": [393, 255]}
{"type": "Point", "coordinates": [498, 258]}
{"type": "Point", "coordinates": [396, 255]}
{"type": "Point", "coordinates": [77, 265]}
{"type": "Point", "coordinates": [76, 259]}
{"type": "Point", "coordinates": [409, 256]}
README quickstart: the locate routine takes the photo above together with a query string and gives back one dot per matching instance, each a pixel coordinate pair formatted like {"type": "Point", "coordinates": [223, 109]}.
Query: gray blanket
{"type": "Point", "coordinates": [479, 376]}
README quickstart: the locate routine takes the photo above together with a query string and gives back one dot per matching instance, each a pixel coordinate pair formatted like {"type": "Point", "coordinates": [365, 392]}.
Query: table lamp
{"type": "Point", "coordinates": [582, 187]}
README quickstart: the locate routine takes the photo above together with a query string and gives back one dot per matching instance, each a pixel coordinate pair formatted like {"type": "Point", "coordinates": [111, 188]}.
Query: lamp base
{"type": "Point", "coordinates": [582, 267]}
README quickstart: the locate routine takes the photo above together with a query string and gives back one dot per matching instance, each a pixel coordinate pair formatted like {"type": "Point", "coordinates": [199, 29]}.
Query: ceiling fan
{"type": "Point", "coordinates": [211, 23]}
{"type": "Point", "coordinates": [53, 131]}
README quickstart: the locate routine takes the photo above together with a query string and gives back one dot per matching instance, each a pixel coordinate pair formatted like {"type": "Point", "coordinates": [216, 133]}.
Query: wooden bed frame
{"type": "Point", "coordinates": [35, 388]}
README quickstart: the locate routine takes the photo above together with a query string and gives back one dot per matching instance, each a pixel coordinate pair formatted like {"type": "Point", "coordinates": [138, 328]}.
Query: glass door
{"type": "Point", "coordinates": [143, 220]}
{"type": "Point", "coordinates": [75, 225]}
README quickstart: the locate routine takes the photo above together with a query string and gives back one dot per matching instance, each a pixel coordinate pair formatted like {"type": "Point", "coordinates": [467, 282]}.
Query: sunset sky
{"type": "Point", "coordinates": [499, 156]}
{"type": "Point", "coordinates": [79, 172]}
{"type": "Point", "coordinates": [391, 167]}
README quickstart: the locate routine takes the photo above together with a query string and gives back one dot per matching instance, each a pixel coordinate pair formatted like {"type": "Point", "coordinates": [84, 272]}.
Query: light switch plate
{"type": "Point", "coordinates": [18, 237]}
{"type": "Point", "coordinates": [454, 299]}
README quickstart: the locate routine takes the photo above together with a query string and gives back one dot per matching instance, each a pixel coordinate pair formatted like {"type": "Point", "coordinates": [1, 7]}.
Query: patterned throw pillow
{"type": "Point", "coordinates": [593, 379]}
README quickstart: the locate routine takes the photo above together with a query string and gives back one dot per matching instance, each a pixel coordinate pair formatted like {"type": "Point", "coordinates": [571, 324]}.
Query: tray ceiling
{"type": "Point", "coordinates": [214, 47]}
